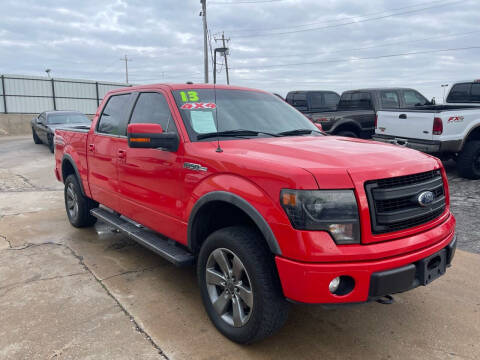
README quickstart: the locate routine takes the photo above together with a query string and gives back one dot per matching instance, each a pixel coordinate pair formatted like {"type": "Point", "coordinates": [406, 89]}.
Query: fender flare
{"type": "Point", "coordinates": [470, 131]}
{"type": "Point", "coordinates": [243, 205]}
{"type": "Point", "coordinates": [68, 158]}
{"type": "Point", "coordinates": [346, 121]}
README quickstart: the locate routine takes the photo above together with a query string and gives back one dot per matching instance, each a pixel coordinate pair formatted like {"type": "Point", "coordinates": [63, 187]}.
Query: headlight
{"type": "Point", "coordinates": [335, 211]}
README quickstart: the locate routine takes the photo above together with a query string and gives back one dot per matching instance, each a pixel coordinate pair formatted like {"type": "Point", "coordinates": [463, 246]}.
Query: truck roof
{"type": "Point", "coordinates": [380, 89]}
{"type": "Point", "coordinates": [168, 86]}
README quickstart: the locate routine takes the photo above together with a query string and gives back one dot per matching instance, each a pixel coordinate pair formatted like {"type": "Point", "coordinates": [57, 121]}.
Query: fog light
{"type": "Point", "coordinates": [334, 285]}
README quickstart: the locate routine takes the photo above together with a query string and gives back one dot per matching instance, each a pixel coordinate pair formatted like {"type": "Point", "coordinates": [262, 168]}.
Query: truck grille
{"type": "Point", "coordinates": [394, 202]}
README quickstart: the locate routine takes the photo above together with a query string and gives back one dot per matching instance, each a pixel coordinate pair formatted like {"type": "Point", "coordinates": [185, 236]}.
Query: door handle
{"type": "Point", "coordinates": [122, 154]}
{"type": "Point", "coordinates": [402, 116]}
{"type": "Point", "coordinates": [91, 147]}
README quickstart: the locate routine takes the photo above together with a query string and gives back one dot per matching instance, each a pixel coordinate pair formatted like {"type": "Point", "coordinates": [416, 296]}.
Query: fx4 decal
{"type": "Point", "coordinates": [455, 119]}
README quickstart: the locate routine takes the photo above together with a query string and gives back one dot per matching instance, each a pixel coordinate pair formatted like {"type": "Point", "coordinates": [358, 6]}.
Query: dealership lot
{"type": "Point", "coordinates": [75, 293]}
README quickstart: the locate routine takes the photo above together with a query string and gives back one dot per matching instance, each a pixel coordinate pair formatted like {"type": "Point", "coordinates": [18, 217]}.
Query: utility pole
{"type": "Point", "coordinates": [126, 59]}
{"type": "Point", "coordinates": [444, 86]}
{"type": "Point", "coordinates": [225, 56]}
{"type": "Point", "coordinates": [205, 47]}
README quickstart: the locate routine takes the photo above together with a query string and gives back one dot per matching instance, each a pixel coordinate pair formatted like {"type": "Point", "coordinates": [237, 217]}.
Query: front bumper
{"type": "Point", "coordinates": [308, 282]}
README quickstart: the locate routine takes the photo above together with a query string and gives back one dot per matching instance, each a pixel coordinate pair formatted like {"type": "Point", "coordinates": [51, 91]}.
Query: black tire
{"type": "Point", "coordinates": [468, 161]}
{"type": "Point", "coordinates": [36, 139]}
{"type": "Point", "coordinates": [51, 145]}
{"type": "Point", "coordinates": [78, 215]}
{"type": "Point", "coordinates": [347, 134]}
{"type": "Point", "coordinates": [269, 309]}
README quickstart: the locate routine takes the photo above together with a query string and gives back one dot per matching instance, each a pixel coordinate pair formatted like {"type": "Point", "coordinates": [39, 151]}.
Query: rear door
{"type": "Point", "coordinates": [102, 148]}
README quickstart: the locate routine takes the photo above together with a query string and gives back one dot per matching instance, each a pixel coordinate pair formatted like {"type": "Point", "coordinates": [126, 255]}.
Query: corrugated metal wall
{"type": "Point", "coordinates": [29, 94]}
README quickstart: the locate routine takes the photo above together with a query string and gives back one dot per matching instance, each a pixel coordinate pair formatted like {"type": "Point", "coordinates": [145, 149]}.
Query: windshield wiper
{"type": "Point", "coordinates": [297, 132]}
{"type": "Point", "coordinates": [233, 133]}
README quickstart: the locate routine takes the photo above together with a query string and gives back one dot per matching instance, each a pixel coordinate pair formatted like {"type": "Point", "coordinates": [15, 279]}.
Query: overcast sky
{"type": "Point", "coordinates": [276, 45]}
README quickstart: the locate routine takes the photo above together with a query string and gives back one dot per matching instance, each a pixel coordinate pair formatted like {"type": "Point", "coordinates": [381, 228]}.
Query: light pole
{"type": "Point", "coordinates": [222, 51]}
{"type": "Point", "coordinates": [444, 86]}
{"type": "Point", "coordinates": [48, 72]}
{"type": "Point", "coordinates": [203, 14]}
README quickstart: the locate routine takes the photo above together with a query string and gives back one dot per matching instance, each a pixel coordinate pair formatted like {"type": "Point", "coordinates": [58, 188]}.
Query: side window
{"type": "Point", "coordinates": [459, 93]}
{"type": "Point", "coordinates": [114, 118]}
{"type": "Point", "coordinates": [152, 108]}
{"type": "Point", "coordinates": [413, 98]}
{"type": "Point", "coordinates": [300, 100]}
{"type": "Point", "coordinates": [331, 99]}
{"type": "Point", "coordinates": [316, 100]}
{"type": "Point", "coordinates": [361, 100]}
{"type": "Point", "coordinates": [475, 92]}
{"type": "Point", "coordinates": [389, 99]}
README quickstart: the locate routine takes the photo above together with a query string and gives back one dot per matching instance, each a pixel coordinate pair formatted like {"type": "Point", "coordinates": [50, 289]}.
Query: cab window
{"type": "Point", "coordinates": [152, 108]}
{"type": "Point", "coordinates": [413, 98]}
{"type": "Point", "coordinates": [389, 99]}
{"type": "Point", "coordinates": [113, 120]}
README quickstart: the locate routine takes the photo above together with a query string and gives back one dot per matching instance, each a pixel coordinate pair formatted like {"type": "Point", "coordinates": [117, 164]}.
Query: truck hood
{"type": "Point", "coordinates": [335, 162]}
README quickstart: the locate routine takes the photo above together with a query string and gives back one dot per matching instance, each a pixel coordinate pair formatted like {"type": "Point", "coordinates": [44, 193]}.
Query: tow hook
{"type": "Point", "coordinates": [386, 300]}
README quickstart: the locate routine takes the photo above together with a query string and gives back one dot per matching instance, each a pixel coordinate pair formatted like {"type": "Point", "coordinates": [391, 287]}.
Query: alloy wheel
{"type": "Point", "coordinates": [72, 201]}
{"type": "Point", "coordinates": [229, 287]}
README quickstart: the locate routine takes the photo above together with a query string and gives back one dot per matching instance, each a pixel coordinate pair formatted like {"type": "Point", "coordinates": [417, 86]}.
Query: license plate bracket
{"type": "Point", "coordinates": [432, 267]}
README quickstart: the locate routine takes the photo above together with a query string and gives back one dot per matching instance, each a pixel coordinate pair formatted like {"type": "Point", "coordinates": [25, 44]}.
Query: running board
{"type": "Point", "coordinates": [164, 247]}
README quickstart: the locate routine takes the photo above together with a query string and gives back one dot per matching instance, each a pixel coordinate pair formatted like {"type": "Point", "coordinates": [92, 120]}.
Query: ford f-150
{"type": "Point", "coordinates": [270, 209]}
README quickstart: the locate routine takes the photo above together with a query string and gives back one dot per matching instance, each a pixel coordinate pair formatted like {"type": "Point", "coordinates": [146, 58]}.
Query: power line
{"type": "Point", "coordinates": [243, 2]}
{"type": "Point", "coordinates": [357, 59]}
{"type": "Point", "coordinates": [366, 47]}
{"type": "Point", "coordinates": [350, 22]}
{"type": "Point", "coordinates": [233, 31]}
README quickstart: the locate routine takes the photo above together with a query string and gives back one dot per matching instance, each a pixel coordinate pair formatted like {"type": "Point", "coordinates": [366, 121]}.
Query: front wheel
{"type": "Point", "coordinates": [240, 286]}
{"type": "Point", "coordinates": [36, 139]}
{"type": "Point", "coordinates": [468, 161]}
{"type": "Point", "coordinates": [77, 205]}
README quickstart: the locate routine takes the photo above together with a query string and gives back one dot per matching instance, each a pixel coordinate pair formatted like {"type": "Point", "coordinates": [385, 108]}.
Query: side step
{"type": "Point", "coordinates": [162, 246]}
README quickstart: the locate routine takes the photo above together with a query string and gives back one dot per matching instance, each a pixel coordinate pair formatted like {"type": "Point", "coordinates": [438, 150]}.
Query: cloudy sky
{"type": "Point", "coordinates": [276, 45]}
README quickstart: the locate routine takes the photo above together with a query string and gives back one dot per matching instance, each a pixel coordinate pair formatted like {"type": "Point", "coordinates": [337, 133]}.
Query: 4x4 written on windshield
{"type": "Point", "coordinates": [238, 113]}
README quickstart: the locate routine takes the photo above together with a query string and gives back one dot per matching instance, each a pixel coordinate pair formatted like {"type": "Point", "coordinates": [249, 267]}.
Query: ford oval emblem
{"type": "Point", "coordinates": [425, 198]}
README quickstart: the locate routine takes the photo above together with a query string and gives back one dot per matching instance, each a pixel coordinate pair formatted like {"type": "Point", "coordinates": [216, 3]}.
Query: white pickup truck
{"type": "Point", "coordinates": [447, 131]}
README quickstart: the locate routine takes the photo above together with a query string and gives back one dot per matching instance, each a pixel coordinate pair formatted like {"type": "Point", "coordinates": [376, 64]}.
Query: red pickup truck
{"type": "Point", "coordinates": [270, 209]}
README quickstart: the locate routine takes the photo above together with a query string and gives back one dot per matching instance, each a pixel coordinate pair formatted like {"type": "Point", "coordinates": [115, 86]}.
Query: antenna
{"type": "Point", "coordinates": [219, 149]}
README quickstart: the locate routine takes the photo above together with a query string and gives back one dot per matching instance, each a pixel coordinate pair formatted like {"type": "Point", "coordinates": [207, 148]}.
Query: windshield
{"type": "Point", "coordinates": [266, 114]}
{"type": "Point", "coordinates": [67, 118]}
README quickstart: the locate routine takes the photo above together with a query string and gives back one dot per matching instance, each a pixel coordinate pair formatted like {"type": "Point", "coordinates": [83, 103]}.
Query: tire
{"type": "Point", "coordinates": [468, 161]}
{"type": "Point", "coordinates": [347, 134]}
{"type": "Point", "coordinates": [265, 309]}
{"type": "Point", "coordinates": [51, 145]}
{"type": "Point", "coordinates": [36, 139]}
{"type": "Point", "coordinates": [78, 206]}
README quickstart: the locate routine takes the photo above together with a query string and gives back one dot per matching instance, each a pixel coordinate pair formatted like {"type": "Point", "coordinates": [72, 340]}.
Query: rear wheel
{"type": "Point", "coordinates": [468, 161]}
{"type": "Point", "coordinates": [77, 205]}
{"type": "Point", "coordinates": [36, 139]}
{"type": "Point", "coordinates": [239, 285]}
{"type": "Point", "coordinates": [51, 145]}
{"type": "Point", "coordinates": [348, 134]}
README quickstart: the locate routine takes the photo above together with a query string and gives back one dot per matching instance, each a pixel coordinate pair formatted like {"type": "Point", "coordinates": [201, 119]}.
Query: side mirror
{"type": "Point", "coordinates": [433, 101]}
{"type": "Point", "coordinates": [151, 136]}
{"type": "Point", "coordinates": [319, 126]}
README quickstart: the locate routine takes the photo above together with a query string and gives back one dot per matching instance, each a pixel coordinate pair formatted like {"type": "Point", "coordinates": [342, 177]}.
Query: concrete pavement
{"type": "Point", "coordinates": [69, 293]}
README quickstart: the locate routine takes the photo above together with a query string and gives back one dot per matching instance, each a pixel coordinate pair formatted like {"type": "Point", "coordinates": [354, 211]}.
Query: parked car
{"type": "Point", "coordinates": [239, 183]}
{"type": "Point", "coordinates": [464, 92]}
{"type": "Point", "coordinates": [44, 125]}
{"type": "Point", "coordinates": [447, 131]}
{"type": "Point", "coordinates": [311, 102]}
{"type": "Point", "coordinates": [357, 110]}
